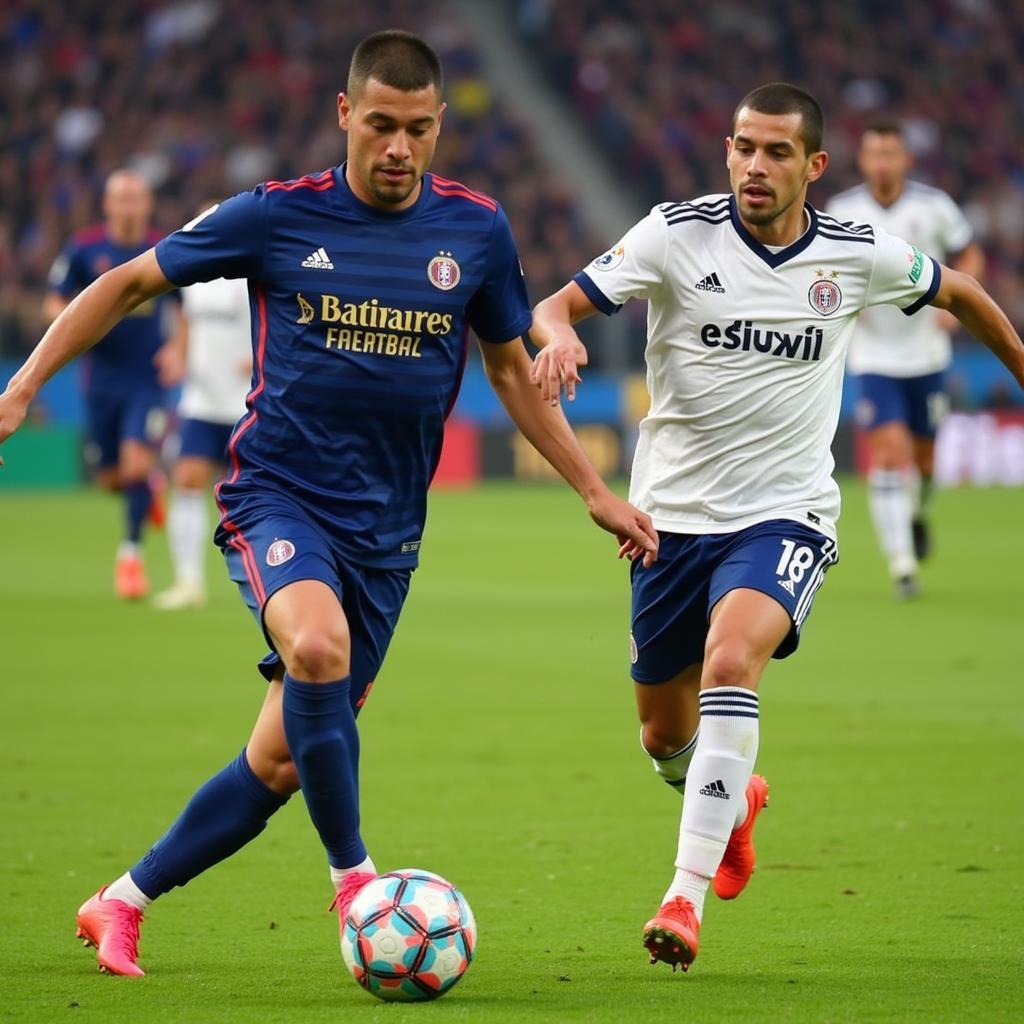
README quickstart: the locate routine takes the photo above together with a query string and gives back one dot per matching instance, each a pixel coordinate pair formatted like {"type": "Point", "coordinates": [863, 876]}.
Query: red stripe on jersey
{"type": "Point", "coordinates": [95, 233]}
{"type": "Point", "coordinates": [238, 541]}
{"type": "Point", "coordinates": [317, 182]}
{"type": "Point", "coordinates": [447, 187]}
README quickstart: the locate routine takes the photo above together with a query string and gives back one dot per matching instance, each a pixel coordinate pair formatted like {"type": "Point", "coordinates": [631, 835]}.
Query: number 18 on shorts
{"type": "Point", "coordinates": [673, 599]}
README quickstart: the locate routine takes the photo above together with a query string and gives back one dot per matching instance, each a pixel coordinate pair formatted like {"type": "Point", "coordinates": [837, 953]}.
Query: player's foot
{"type": "Point", "coordinates": [112, 926]}
{"type": "Point", "coordinates": [157, 514]}
{"type": "Point", "coordinates": [907, 588]}
{"type": "Point", "coordinates": [739, 860]}
{"type": "Point", "coordinates": [922, 537]}
{"type": "Point", "coordinates": [671, 935]}
{"type": "Point", "coordinates": [181, 594]}
{"type": "Point", "coordinates": [350, 886]}
{"type": "Point", "coordinates": [130, 583]}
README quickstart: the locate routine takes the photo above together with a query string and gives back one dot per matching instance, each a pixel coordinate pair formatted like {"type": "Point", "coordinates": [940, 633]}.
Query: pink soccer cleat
{"type": "Point", "coordinates": [113, 927]}
{"type": "Point", "coordinates": [739, 859]}
{"type": "Point", "coordinates": [130, 583]}
{"type": "Point", "coordinates": [671, 935]}
{"type": "Point", "coordinates": [350, 886]}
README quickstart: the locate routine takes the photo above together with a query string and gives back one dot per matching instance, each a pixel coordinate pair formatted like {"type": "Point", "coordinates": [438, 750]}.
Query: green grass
{"type": "Point", "coordinates": [500, 749]}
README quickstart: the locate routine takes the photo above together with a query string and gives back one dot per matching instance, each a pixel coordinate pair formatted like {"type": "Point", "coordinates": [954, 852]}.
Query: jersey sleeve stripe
{"type": "Point", "coordinates": [697, 216]}
{"type": "Point", "coordinates": [460, 192]}
{"type": "Point", "coordinates": [837, 237]}
{"type": "Point", "coordinates": [928, 295]}
{"type": "Point", "coordinates": [596, 296]}
{"type": "Point", "coordinates": [318, 182]}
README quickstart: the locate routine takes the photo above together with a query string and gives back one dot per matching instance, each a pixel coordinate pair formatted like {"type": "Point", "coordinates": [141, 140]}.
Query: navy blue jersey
{"type": "Point", "coordinates": [360, 320]}
{"type": "Point", "coordinates": [122, 361]}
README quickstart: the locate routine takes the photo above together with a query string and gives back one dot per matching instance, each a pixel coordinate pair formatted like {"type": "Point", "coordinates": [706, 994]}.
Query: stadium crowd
{"type": "Point", "coordinates": [206, 100]}
{"type": "Point", "coordinates": [657, 82]}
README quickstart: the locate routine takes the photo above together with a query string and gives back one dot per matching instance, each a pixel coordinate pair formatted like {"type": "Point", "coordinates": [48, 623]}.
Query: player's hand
{"type": "Point", "coordinates": [634, 530]}
{"type": "Point", "coordinates": [170, 364]}
{"type": "Point", "coordinates": [557, 367]}
{"type": "Point", "coordinates": [13, 411]}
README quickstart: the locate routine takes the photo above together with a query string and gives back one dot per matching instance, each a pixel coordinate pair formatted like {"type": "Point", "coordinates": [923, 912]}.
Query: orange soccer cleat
{"type": "Point", "coordinates": [350, 886]}
{"type": "Point", "coordinates": [113, 927]}
{"type": "Point", "coordinates": [739, 859]}
{"type": "Point", "coordinates": [671, 935]}
{"type": "Point", "coordinates": [130, 583]}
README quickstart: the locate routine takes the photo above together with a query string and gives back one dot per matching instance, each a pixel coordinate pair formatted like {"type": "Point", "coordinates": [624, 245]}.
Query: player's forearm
{"type": "Point", "coordinates": [976, 310]}
{"type": "Point", "coordinates": [556, 314]}
{"type": "Point", "coordinates": [547, 429]}
{"type": "Point", "coordinates": [79, 326]}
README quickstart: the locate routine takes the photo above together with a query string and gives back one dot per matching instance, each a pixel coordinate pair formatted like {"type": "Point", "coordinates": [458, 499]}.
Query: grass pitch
{"type": "Point", "coordinates": [500, 749]}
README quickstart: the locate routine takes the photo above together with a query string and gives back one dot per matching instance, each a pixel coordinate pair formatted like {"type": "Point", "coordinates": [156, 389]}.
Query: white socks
{"type": "Point", "coordinates": [127, 891]}
{"type": "Point", "coordinates": [892, 501]}
{"type": "Point", "coordinates": [674, 767]}
{"type": "Point", "coordinates": [338, 874]}
{"type": "Point", "coordinates": [715, 801]}
{"type": "Point", "coordinates": [187, 530]}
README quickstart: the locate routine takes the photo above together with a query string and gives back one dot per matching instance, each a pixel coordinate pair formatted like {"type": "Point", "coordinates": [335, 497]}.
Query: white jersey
{"type": "Point", "coordinates": [219, 350]}
{"type": "Point", "coordinates": [745, 354]}
{"type": "Point", "coordinates": [884, 341]}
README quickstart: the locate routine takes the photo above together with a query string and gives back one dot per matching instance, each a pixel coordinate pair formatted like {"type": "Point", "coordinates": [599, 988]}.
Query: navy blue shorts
{"type": "Point", "coordinates": [919, 402]}
{"type": "Point", "coordinates": [202, 439]}
{"type": "Point", "coordinates": [277, 545]}
{"type": "Point", "coordinates": [137, 416]}
{"type": "Point", "coordinates": [673, 599]}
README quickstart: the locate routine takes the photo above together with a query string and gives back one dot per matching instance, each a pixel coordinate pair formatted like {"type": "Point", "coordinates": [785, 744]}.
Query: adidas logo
{"type": "Point", "coordinates": [715, 788]}
{"type": "Point", "coordinates": [710, 284]}
{"type": "Point", "coordinates": [318, 260]}
{"type": "Point", "coordinates": [787, 585]}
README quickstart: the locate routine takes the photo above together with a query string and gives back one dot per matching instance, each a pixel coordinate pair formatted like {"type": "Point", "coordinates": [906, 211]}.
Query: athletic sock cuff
{"type": "Point", "coordinates": [263, 798]}
{"type": "Point", "coordinates": [728, 702]}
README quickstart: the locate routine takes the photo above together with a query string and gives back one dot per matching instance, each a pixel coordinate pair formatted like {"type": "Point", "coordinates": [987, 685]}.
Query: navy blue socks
{"type": "Point", "coordinates": [320, 727]}
{"type": "Point", "coordinates": [138, 497]}
{"type": "Point", "coordinates": [226, 812]}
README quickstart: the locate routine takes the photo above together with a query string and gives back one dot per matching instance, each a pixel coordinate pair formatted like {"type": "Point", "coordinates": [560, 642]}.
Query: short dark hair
{"type": "Point", "coordinates": [783, 98]}
{"type": "Point", "coordinates": [395, 58]}
{"type": "Point", "coordinates": [884, 126]}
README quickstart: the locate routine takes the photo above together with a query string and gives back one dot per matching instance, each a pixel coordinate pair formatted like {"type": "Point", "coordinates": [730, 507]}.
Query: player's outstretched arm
{"type": "Point", "coordinates": [561, 351]}
{"type": "Point", "coordinates": [85, 320]}
{"type": "Point", "coordinates": [978, 312]}
{"type": "Point", "coordinates": [545, 427]}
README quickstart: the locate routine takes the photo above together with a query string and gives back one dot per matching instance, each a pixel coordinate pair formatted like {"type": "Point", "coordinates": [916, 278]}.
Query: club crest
{"type": "Point", "coordinates": [444, 272]}
{"type": "Point", "coordinates": [279, 552]}
{"type": "Point", "coordinates": [825, 297]}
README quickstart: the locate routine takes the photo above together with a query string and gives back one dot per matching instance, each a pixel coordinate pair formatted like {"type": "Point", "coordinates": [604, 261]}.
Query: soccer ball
{"type": "Point", "coordinates": [409, 936]}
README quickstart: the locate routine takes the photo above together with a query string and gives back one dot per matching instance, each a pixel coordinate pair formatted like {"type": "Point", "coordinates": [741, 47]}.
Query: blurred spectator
{"type": "Point", "coordinates": [209, 97]}
{"type": "Point", "coordinates": [657, 82]}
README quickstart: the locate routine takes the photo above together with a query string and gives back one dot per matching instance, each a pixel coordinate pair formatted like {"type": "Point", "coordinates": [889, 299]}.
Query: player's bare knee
{"type": "Point", "coordinates": [316, 656]}
{"type": "Point", "coordinates": [729, 663]}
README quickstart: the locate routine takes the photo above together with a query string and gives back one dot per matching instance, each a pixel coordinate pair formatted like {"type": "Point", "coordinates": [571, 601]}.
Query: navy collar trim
{"type": "Point", "coordinates": [774, 259]}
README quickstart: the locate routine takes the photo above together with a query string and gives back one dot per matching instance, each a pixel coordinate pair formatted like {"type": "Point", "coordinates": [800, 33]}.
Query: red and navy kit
{"type": "Point", "coordinates": [360, 320]}
{"type": "Point", "coordinates": [122, 361]}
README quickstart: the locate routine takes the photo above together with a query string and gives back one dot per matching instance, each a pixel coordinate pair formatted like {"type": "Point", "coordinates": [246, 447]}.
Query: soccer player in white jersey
{"type": "Point", "coordinates": [901, 364]}
{"type": "Point", "coordinates": [753, 298]}
{"type": "Point", "coordinates": [215, 347]}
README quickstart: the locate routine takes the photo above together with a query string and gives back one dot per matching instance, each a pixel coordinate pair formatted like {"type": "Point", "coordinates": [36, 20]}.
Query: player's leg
{"type": "Point", "coordinates": [929, 404]}
{"type": "Point", "coordinates": [892, 477]}
{"type": "Point", "coordinates": [142, 421]}
{"type": "Point", "coordinates": [188, 522]}
{"type": "Point", "coordinates": [669, 716]}
{"type": "Point", "coordinates": [228, 811]}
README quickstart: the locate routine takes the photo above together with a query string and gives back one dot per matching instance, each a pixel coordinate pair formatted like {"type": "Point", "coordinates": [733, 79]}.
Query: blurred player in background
{"type": "Point", "coordinates": [126, 373]}
{"type": "Point", "coordinates": [753, 298]}
{"type": "Point", "coordinates": [900, 364]}
{"type": "Point", "coordinates": [365, 280]}
{"type": "Point", "coordinates": [214, 345]}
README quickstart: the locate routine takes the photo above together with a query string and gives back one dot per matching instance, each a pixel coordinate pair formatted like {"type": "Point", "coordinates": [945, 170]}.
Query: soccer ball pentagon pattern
{"type": "Point", "coordinates": [409, 936]}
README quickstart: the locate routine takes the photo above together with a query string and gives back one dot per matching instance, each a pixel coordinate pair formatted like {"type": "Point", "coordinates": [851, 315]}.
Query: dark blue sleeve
{"type": "Point", "coordinates": [226, 241]}
{"type": "Point", "coordinates": [500, 308]}
{"type": "Point", "coordinates": [67, 276]}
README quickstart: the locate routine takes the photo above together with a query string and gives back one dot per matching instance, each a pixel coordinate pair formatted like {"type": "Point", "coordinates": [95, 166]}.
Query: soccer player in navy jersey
{"type": "Point", "coordinates": [364, 282]}
{"type": "Point", "coordinates": [124, 391]}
